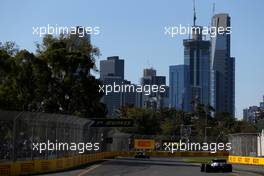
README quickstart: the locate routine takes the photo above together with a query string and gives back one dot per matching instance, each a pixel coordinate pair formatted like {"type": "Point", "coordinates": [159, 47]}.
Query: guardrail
{"type": "Point", "coordinates": [246, 160]}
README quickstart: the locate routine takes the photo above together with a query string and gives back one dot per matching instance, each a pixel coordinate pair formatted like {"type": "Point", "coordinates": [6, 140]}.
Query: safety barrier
{"type": "Point", "coordinates": [54, 165]}
{"type": "Point", "coordinates": [177, 154]}
{"type": "Point", "coordinates": [246, 160]}
{"type": "Point", "coordinates": [60, 164]}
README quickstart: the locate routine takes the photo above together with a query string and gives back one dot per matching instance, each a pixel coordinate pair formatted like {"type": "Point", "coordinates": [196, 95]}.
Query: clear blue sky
{"type": "Point", "coordinates": [133, 30]}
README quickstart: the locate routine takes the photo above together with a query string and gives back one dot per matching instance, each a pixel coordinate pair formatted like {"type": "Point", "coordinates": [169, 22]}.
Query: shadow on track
{"type": "Point", "coordinates": [146, 162]}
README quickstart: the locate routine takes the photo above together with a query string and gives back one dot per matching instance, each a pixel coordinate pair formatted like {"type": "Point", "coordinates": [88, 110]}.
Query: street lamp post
{"type": "Point", "coordinates": [181, 131]}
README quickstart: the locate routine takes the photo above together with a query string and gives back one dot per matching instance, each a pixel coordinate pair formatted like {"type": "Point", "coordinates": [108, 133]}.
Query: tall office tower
{"type": "Point", "coordinates": [112, 73]}
{"type": "Point", "coordinates": [113, 100]}
{"type": "Point", "coordinates": [179, 92]}
{"type": "Point", "coordinates": [129, 98]}
{"type": "Point", "coordinates": [113, 66]}
{"type": "Point", "coordinates": [222, 68]}
{"type": "Point", "coordinates": [197, 58]}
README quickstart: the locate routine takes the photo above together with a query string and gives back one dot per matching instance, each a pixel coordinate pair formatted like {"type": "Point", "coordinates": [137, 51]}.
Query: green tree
{"type": "Point", "coordinates": [171, 121]}
{"type": "Point", "coordinates": [57, 79]}
{"type": "Point", "coordinates": [146, 121]}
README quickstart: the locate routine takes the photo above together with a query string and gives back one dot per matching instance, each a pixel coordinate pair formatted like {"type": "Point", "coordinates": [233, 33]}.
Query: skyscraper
{"type": "Point", "coordinates": [113, 66]}
{"type": "Point", "coordinates": [197, 58]}
{"type": "Point", "coordinates": [222, 65]}
{"type": "Point", "coordinates": [179, 92]}
{"type": "Point", "coordinates": [113, 100]}
{"type": "Point", "coordinates": [112, 72]}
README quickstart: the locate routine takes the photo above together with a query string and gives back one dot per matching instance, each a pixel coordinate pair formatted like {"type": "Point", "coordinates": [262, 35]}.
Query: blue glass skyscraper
{"type": "Point", "coordinates": [222, 68]}
{"type": "Point", "coordinates": [179, 92]}
{"type": "Point", "coordinates": [197, 58]}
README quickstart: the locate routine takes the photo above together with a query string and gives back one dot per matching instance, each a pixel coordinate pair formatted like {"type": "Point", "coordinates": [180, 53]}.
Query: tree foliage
{"type": "Point", "coordinates": [169, 121]}
{"type": "Point", "coordinates": [56, 79]}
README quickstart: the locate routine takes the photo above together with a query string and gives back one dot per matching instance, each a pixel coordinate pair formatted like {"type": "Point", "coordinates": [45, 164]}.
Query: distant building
{"type": "Point", "coordinates": [254, 114]}
{"type": "Point", "coordinates": [113, 66]}
{"type": "Point", "coordinates": [149, 72]}
{"type": "Point", "coordinates": [154, 100]}
{"type": "Point", "coordinates": [150, 78]}
{"type": "Point", "coordinates": [113, 100]}
{"type": "Point", "coordinates": [197, 58]}
{"type": "Point", "coordinates": [129, 98]}
{"type": "Point", "coordinates": [179, 83]}
{"type": "Point", "coordinates": [112, 73]}
{"type": "Point", "coordinates": [211, 70]}
{"type": "Point", "coordinates": [261, 104]}
{"type": "Point", "coordinates": [251, 114]}
{"type": "Point", "coordinates": [222, 68]}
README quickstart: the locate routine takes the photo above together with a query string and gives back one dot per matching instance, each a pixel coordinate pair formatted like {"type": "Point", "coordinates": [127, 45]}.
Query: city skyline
{"type": "Point", "coordinates": [154, 49]}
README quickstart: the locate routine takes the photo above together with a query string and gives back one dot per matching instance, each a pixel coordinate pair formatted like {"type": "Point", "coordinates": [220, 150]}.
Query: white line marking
{"type": "Point", "coordinates": [89, 170]}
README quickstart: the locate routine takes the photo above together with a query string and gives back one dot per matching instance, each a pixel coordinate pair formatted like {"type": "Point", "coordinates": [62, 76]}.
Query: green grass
{"type": "Point", "coordinates": [200, 159]}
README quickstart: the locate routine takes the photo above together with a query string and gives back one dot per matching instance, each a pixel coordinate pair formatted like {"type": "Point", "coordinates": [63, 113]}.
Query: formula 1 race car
{"type": "Point", "coordinates": [216, 165]}
{"type": "Point", "coordinates": [141, 155]}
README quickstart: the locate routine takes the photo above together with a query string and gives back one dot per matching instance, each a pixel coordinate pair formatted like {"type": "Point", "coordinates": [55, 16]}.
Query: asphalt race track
{"type": "Point", "coordinates": [145, 167]}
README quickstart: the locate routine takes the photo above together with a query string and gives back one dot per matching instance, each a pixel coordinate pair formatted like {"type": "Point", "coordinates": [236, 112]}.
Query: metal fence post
{"type": "Point", "coordinates": [32, 136]}
{"type": "Point", "coordinates": [14, 135]}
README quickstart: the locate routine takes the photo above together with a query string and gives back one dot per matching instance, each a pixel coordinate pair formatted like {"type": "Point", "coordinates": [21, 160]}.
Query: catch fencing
{"type": "Point", "coordinates": [19, 130]}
